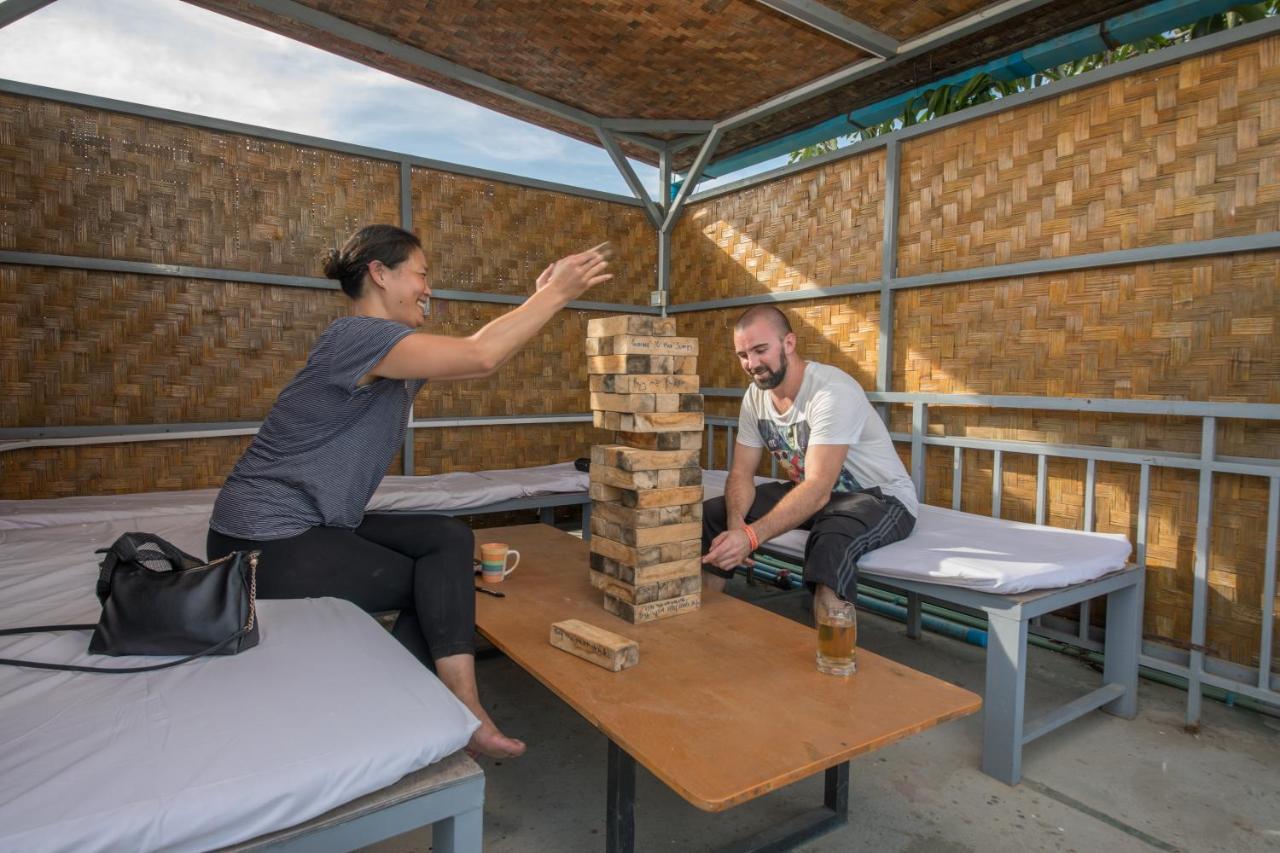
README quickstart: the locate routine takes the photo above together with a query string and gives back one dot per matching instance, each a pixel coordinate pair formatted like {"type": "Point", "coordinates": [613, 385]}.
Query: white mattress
{"type": "Point", "coordinates": [328, 707]}
{"type": "Point", "coordinates": [435, 493]}
{"type": "Point", "coordinates": [977, 552]}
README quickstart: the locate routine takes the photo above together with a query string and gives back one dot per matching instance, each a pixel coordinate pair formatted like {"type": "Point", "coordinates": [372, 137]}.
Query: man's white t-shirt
{"type": "Point", "coordinates": [831, 408]}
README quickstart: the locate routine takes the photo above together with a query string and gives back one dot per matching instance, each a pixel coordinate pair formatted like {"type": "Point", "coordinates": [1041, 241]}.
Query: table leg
{"type": "Point", "coordinates": [620, 807]}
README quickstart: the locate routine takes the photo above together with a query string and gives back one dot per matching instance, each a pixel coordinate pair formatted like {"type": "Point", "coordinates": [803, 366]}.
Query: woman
{"type": "Point", "coordinates": [299, 491]}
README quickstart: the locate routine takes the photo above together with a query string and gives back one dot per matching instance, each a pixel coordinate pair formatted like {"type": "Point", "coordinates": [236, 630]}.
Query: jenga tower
{"type": "Point", "coordinates": [646, 490]}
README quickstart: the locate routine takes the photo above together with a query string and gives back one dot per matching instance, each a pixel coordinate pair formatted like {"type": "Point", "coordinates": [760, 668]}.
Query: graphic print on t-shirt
{"type": "Point", "coordinates": [788, 445]}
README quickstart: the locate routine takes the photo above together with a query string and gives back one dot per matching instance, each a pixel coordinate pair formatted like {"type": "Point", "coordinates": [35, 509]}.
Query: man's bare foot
{"type": "Point", "coordinates": [490, 742]}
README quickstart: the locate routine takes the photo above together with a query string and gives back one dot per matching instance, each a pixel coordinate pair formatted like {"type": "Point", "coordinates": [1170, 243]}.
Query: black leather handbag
{"type": "Point", "coordinates": [159, 600]}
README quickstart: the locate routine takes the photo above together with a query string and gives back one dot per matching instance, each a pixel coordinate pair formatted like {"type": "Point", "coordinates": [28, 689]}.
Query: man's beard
{"type": "Point", "coordinates": [771, 379]}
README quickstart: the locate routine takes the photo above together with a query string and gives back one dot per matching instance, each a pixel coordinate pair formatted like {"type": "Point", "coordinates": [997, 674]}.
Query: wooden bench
{"type": "Point", "coordinates": [449, 795]}
{"type": "Point", "coordinates": [703, 679]}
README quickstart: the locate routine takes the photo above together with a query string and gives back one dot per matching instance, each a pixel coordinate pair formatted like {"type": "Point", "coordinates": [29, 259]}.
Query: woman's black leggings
{"type": "Point", "coordinates": [417, 564]}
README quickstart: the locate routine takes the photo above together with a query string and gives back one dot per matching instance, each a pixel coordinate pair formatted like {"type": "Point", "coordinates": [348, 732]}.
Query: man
{"type": "Point", "coordinates": [848, 487]}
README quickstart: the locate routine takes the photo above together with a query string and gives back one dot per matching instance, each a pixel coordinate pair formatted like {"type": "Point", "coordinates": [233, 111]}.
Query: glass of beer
{"type": "Point", "coordinates": [838, 639]}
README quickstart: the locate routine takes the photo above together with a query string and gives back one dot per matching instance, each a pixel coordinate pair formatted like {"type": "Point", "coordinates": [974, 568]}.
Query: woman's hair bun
{"type": "Point", "coordinates": [334, 267]}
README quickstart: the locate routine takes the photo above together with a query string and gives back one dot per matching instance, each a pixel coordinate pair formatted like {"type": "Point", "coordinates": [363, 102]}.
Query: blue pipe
{"type": "Point", "coordinates": [1130, 27]}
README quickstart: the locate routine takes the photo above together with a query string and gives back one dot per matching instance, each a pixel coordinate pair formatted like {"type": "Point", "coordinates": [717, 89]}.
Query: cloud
{"type": "Point", "coordinates": [181, 57]}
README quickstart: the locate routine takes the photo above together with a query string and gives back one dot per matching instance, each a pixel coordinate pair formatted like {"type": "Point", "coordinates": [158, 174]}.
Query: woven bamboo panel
{"type": "Point", "coordinates": [842, 332]}
{"type": "Point", "coordinates": [1201, 329]}
{"type": "Point", "coordinates": [79, 181]}
{"type": "Point", "coordinates": [112, 469]}
{"type": "Point", "coordinates": [494, 447]}
{"type": "Point", "coordinates": [905, 21]}
{"type": "Point", "coordinates": [1156, 158]}
{"type": "Point", "coordinates": [89, 349]}
{"type": "Point", "coordinates": [497, 238]}
{"type": "Point", "coordinates": [547, 376]}
{"type": "Point", "coordinates": [817, 228]}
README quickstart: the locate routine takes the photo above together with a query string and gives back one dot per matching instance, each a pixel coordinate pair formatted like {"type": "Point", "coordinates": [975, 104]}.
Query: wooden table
{"type": "Point", "coordinates": [687, 710]}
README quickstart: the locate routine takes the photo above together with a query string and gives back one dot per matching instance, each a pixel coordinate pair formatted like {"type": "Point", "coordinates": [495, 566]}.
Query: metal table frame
{"type": "Point", "coordinates": [620, 806]}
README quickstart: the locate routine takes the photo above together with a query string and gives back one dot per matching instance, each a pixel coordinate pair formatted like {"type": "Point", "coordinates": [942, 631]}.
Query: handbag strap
{"type": "Point", "coordinates": [38, 629]}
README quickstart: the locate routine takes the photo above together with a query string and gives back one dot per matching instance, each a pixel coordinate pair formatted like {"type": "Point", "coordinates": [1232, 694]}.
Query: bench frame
{"type": "Point", "coordinates": [449, 795]}
{"type": "Point", "coordinates": [1005, 729]}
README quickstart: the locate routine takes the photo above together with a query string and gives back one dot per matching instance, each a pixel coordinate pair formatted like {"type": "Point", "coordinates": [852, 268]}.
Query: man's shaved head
{"type": "Point", "coordinates": [771, 313]}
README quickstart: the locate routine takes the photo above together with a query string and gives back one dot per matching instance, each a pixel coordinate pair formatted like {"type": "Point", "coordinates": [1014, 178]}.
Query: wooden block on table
{"type": "Point", "coordinates": [647, 592]}
{"type": "Point", "coordinates": [631, 324]}
{"type": "Point", "coordinates": [604, 648]}
{"type": "Point", "coordinates": [686, 440]}
{"type": "Point", "coordinates": [642, 537]}
{"type": "Point", "coordinates": [651, 383]}
{"type": "Point", "coordinates": [628, 573]}
{"type": "Point", "coordinates": [642, 345]}
{"type": "Point", "coordinates": [656, 517]}
{"type": "Point", "coordinates": [638, 613]}
{"type": "Point", "coordinates": [633, 459]}
{"type": "Point", "coordinates": [650, 555]}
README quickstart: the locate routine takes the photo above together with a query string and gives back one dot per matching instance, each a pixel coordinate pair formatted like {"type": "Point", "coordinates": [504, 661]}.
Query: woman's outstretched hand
{"type": "Point", "coordinates": [574, 275]}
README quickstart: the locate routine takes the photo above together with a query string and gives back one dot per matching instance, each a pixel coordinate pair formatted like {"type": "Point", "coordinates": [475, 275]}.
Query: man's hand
{"type": "Point", "coordinates": [730, 550]}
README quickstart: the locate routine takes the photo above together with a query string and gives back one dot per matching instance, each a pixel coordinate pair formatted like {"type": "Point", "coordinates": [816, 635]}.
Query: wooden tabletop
{"type": "Point", "coordinates": [726, 703]}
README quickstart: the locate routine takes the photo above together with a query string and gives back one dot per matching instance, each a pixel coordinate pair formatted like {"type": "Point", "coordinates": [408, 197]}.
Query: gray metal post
{"type": "Point", "coordinates": [888, 271]}
{"type": "Point", "coordinates": [1124, 645]}
{"type": "Point", "coordinates": [664, 234]}
{"type": "Point", "coordinates": [919, 423]}
{"type": "Point", "coordinates": [1200, 587]}
{"type": "Point", "coordinates": [406, 222]}
{"type": "Point", "coordinates": [1269, 586]}
{"type": "Point", "coordinates": [1005, 696]}
{"type": "Point", "coordinates": [957, 476]}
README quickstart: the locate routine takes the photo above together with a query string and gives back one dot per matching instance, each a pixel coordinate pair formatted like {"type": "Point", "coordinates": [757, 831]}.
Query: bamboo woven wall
{"type": "Point", "coordinates": [1182, 153]}
{"type": "Point", "coordinates": [818, 228]}
{"type": "Point", "coordinates": [84, 348]}
{"type": "Point", "coordinates": [1157, 158]}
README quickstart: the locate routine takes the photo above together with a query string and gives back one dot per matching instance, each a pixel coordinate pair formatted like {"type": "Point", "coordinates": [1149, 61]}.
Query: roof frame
{"type": "Point", "coordinates": [830, 22]}
{"type": "Point", "coordinates": [14, 10]}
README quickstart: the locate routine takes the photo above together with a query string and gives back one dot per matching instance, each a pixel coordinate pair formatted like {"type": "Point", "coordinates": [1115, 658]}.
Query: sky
{"type": "Point", "coordinates": [166, 53]}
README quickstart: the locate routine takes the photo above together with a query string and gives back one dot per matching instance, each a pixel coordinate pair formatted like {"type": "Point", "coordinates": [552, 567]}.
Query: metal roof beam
{"type": "Point", "coordinates": [645, 125]}
{"type": "Point", "coordinates": [334, 26]}
{"type": "Point", "coordinates": [826, 20]}
{"type": "Point", "coordinates": [629, 175]}
{"type": "Point", "coordinates": [14, 10]}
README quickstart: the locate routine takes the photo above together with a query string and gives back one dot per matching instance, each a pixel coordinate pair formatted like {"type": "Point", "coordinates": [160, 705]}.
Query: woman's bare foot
{"type": "Point", "coordinates": [490, 742]}
{"type": "Point", "coordinates": [458, 672]}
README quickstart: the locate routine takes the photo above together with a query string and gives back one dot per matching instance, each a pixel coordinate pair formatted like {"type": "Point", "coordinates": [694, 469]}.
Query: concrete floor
{"type": "Point", "coordinates": [1098, 784]}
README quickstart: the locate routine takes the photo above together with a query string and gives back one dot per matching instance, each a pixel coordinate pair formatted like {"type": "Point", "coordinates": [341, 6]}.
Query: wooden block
{"type": "Point", "coordinates": [602, 492]}
{"type": "Point", "coordinates": [648, 592]}
{"type": "Point", "coordinates": [646, 574]}
{"type": "Point", "coordinates": [604, 648]}
{"type": "Point", "coordinates": [660, 422]}
{"type": "Point", "coordinates": [661, 440]}
{"type": "Point", "coordinates": [624, 402]}
{"type": "Point", "coordinates": [642, 537]}
{"type": "Point", "coordinates": [631, 324]}
{"type": "Point", "coordinates": [651, 555]}
{"type": "Point", "coordinates": [639, 613]}
{"type": "Point", "coordinates": [631, 459]}
{"type": "Point", "coordinates": [675, 477]}
{"type": "Point", "coordinates": [642, 345]}
{"type": "Point", "coordinates": [656, 517]}
{"type": "Point", "coordinates": [653, 383]}
{"type": "Point", "coordinates": [638, 364]}
{"type": "Point", "coordinates": [635, 480]}
{"type": "Point", "coordinates": [685, 366]}
{"type": "Point", "coordinates": [661, 497]}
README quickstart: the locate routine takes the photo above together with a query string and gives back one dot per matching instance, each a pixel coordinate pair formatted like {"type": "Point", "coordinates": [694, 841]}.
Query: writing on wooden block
{"type": "Point", "coordinates": [661, 440]}
{"type": "Point", "coordinates": [604, 648]}
{"type": "Point", "coordinates": [651, 383]}
{"type": "Point", "coordinates": [633, 459]}
{"type": "Point", "coordinates": [646, 574]}
{"type": "Point", "coordinates": [638, 613]}
{"type": "Point", "coordinates": [642, 345]}
{"type": "Point", "coordinates": [649, 592]}
{"type": "Point", "coordinates": [656, 517]}
{"type": "Point", "coordinates": [631, 324]}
